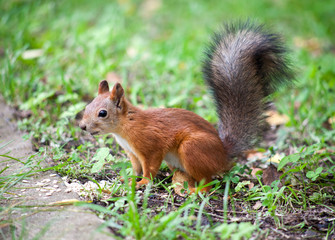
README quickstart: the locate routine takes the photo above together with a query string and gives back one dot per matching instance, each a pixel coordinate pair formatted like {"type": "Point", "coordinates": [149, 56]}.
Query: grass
{"type": "Point", "coordinates": [156, 47]}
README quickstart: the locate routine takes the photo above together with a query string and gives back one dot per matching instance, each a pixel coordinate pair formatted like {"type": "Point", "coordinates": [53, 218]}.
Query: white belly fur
{"type": "Point", "coordinates": [123, 143]}
{"type": "Point", "coordinates": [170, 158]}
{"type": "Point", "coordinates": [174, 161]}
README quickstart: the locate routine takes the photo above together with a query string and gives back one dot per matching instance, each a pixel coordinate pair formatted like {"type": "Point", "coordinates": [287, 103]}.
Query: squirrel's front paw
{"type": "Point", "coordinates": [124, 180]}
{"type": "Point", "coordinates": [139, 184]}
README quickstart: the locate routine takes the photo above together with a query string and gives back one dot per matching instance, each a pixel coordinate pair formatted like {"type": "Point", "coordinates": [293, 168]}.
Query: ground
{"type": "Point", "coordinates": [45, 188]}
{"type": "Point", "coordinates": [40, 204]}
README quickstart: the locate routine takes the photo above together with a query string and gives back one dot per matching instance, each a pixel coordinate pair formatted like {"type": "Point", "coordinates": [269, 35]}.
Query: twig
{"type": "Point", "coordinates": [281, 233]}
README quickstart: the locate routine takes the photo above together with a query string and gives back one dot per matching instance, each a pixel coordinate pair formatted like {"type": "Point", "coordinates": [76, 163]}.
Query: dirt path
{"type": "Point", "coordinates": [40, 217]}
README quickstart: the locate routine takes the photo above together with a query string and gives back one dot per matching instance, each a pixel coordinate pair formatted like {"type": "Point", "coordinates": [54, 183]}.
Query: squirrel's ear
{"type": "Point", "coordinates": [103, 87]}
{"type": "Point", "coordinates": [117, 94]}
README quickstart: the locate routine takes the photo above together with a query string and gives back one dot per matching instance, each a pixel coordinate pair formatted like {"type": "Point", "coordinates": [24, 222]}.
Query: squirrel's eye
{"type": "Point", "coordinates": [102, 113]}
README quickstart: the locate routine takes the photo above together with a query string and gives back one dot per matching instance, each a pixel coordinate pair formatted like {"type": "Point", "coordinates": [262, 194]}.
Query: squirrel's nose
{"type": "Point", "coordinates": [83, 127]}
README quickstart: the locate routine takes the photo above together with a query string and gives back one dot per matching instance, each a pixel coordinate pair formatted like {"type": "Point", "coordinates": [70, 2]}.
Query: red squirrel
{"type": "Point", "coordinates": [243, 65]}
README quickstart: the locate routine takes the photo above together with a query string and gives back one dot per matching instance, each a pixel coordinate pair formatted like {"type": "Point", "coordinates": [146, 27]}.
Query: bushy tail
{"type": "Point", "coordinates": [243, 65]}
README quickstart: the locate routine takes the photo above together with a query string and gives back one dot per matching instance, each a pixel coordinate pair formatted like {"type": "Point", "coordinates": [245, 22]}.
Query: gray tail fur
{"type": "Point", "coordinates": [244, 64]}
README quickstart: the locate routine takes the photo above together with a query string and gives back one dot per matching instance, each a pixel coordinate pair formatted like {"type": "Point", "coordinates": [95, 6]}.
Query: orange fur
{"type": "Point", "coordinates": [244, 64]}
{"type": "Point", "coordinates": [185, 140]}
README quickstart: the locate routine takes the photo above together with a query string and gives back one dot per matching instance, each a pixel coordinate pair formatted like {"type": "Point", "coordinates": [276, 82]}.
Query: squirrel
{"type": "Point", "coordinates": [243, 65]}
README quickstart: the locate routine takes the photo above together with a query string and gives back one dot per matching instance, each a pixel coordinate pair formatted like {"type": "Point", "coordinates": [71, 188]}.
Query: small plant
{"type": "Point", "coordinates": [313, 175]}
{"type": "Point", "coordinates": [235, 231]}
{"type": "Point", "coordinates": [306, 162]}
{"type": "Point", "coordinates": [101, 157]}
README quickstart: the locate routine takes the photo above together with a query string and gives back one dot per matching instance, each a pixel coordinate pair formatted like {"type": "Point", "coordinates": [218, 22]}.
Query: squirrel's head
{"type": "Point", "coordinates": [104, 113]}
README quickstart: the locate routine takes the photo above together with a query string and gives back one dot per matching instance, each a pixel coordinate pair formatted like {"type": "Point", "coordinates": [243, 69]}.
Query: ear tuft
{"type": "Point", "coordinates": [117, 94]}
{"type": "Point", "coordinates": [103, 87]}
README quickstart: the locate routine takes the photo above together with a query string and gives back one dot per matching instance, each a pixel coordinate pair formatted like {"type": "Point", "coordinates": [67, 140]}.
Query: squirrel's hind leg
{"type": "Point", "coordinates": [198, 161]}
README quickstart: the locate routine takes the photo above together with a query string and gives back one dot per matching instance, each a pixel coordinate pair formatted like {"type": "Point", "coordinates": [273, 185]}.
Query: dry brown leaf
{"type": "Point", "coordinates": [254, 171]}
{"type": "Point", "coordinates": [251, 185]}
{"type": "Point", "coordinates": [257, 205]}
{"type": "Point", "coordinates": [322, 150]}
{"type": "Point", "coordinates": [106, 191]}
{"type": "Point", "coordinates": [275, 158]}
{"type": "Point", "coordinates": [275, 119]}
{"type": "Point", "coordinates": [251, 155]}
{"type": "Point", "coordinates": [65, 202]}
{"type": "Point", "coordinates": [270, 174]}
{"type": "Point", "coordinates": [312, 44]}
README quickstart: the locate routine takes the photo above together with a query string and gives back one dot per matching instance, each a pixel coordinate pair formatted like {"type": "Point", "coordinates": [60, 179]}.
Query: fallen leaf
{"type": "Point", "coordinates": [312, 44]}
{"type": "Point", "coordinates": [32, 53]}
{"type": "Point", "coordinates": [254, 171]}
{"type": "Point", "coordinates": [275, 158]}
{"type": "Point", "coordinates": [323, 150]}
{"type": "Point", "coordinates": [192, 218]}
{"type": "Point", "coordinates": [275, 118]}
{"type": "Point", "coordinates": [257, 205]}
{"type": "Point", "coordinates": [252, 155]}
{"type": "Point", "coordinates": [65, 202]}
{"type": "Point", "coordinates": [251, 185]}
{"type": "Point", "coordinates": [270, 174]}
{"type": "Point", "coordinates": [106, 191]}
